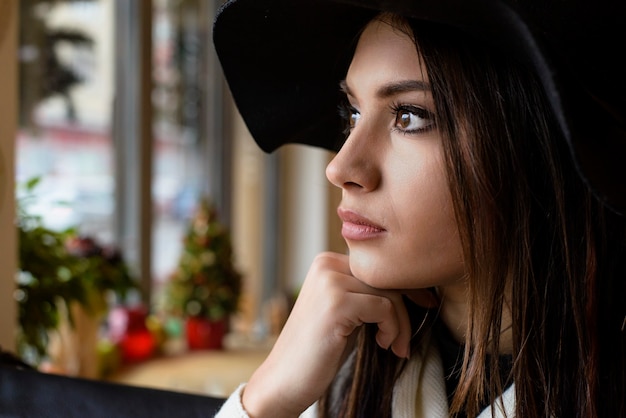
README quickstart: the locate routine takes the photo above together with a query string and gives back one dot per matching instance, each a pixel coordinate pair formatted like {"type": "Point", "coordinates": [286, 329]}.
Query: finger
{"type": "Point", "coordinates": [329, 263]}
{"type": "Point", "coordinates": [397, 338]}
{"type": "Point", "coordinates": [384, 307]}
{"type": "Point", "coordinates": [394, 330]}
{"type": "Point", "coordinates": [334, 261]}
{"type": "Point", "coordinates": [401, 346]}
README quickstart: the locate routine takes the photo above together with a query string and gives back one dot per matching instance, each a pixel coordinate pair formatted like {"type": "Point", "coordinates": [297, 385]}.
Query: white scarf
{"type": "Point", "coordinates": [420, 391]}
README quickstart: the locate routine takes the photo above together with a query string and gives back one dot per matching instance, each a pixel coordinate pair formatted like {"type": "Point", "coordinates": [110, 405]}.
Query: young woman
{"type": "Point", "coordinates": [485, 275]}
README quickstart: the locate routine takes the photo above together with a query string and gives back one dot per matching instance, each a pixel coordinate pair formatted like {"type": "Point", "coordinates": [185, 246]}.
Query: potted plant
{"type": "Point", "coordinates": [205, 287]}
{"type": "Point", "coordinates": [63, 280]}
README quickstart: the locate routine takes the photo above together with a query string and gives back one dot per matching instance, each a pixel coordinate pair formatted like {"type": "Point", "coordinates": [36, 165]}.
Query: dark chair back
{"type": "Point", "coordinates": [28, 393]}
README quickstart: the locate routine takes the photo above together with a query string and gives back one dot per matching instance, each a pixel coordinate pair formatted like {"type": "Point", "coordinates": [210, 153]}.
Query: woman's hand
{"type": "Point", "coordinates": [317, 338]}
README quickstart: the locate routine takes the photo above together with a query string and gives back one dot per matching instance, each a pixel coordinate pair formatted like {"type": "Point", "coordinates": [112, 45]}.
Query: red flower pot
{"type": "Point", "coordinates": [137, 346]}
{"type": "Point", "coordinates": [127, 328]}
{"type": "Point", "coordinates": [204, 334]}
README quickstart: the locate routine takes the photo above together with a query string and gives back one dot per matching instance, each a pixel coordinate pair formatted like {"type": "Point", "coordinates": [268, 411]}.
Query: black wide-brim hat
{"type": "Point", "coordinates": [283, 61]}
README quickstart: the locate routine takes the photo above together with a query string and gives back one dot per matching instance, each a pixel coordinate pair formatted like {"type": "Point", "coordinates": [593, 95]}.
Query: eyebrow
{"type": "Point", "coordinates": [393, 88]}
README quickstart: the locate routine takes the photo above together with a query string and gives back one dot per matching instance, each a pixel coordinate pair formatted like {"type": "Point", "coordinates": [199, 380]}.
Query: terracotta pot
{"type": "Point", "coordinates": [204, 334]}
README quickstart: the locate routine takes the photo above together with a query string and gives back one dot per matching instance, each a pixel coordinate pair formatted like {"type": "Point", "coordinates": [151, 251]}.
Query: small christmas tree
{"type": "Point", "coordinates": [205, 283]}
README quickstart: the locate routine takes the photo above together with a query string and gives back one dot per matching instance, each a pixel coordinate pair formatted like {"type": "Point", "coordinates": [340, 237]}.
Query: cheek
{"type": "Point", "coordinates": [429, 235]}
{"type": "Point", "coordinates": [424, 251]}
{"type": "Point", "coordinates": [422, 247]}
{"type": "Point", "coordinates": [430, 248]}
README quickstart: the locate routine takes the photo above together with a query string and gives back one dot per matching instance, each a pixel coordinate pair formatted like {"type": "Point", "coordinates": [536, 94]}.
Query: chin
{"type": "Point", "coordinates": [382, 271]}
{"type": "Point", "coordinates": [374, 272]}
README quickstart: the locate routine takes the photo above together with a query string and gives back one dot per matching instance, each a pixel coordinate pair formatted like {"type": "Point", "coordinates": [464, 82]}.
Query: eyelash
{"type": "Point", "coordinates": [346, 112]}
{"type": "Point", "coordinates": [420, 112]}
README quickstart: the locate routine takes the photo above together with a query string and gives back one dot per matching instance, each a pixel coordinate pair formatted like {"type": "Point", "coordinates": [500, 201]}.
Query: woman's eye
{"type": "Point", "coordinates": [354, 118]}
{"type": "Point", "coordinates": [350, 115]}
{"type": "Point", "coordinates": [412, 119]}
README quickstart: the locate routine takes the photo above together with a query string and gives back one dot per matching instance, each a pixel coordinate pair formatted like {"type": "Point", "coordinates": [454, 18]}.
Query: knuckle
{"type": "Point", "coordinates": [320, 263]}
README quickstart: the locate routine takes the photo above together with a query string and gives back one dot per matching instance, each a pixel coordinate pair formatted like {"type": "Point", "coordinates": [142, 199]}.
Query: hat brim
{"type": "Point", "coordinates": [283, 61]}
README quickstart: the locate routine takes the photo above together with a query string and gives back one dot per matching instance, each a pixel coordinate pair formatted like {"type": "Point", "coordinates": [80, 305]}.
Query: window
{"type": "Point", "coordinates": [103, 83]}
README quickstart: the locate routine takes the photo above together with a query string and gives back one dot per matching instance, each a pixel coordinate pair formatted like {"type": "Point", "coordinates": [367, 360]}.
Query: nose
{"type": "Point", "coordinates": [356, 165]}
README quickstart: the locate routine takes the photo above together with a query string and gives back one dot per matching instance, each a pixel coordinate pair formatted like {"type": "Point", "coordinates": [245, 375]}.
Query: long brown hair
{"type": "Point", "coordinates": [535, 239]}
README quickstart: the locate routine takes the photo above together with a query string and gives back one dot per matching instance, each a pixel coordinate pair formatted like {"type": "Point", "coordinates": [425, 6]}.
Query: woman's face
{"type": "Point", "coordinates": [396, 207]}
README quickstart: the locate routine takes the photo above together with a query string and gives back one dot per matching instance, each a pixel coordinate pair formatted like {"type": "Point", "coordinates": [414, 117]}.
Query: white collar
{"type": "Point", "coordinates": [420, 391]}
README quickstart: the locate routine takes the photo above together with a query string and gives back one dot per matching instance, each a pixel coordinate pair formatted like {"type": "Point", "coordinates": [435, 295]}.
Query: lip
{"type": "Point", "coordinates": [357, 227]}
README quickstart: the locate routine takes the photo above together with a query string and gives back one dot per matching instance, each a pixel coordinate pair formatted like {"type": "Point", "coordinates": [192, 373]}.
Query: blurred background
{"type": "Point", "coordinates": [148, 219]}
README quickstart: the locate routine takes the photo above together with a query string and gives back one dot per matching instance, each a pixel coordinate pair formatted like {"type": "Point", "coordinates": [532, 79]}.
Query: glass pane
{"type": "Point", "coordinates": [179, 45]}
{"type": "Point", "coordinates": [66, 89]}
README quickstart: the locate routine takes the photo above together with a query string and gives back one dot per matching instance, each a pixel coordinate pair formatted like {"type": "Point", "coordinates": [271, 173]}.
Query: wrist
{"type": "Point", "coordinates": [259, 402]}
